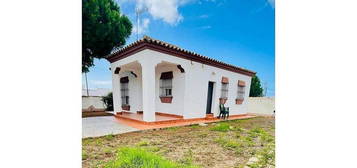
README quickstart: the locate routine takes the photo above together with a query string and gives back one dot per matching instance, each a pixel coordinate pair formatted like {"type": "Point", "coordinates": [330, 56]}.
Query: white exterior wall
{"type": "Point", "coordinates": [189, 88]}
{"type": "Point", "coordinates": [198, 79]}
{"type": "Point", "coordinates": [178, 87]}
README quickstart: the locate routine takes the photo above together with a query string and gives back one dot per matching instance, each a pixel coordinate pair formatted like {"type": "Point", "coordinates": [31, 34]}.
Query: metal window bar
{"type": "Point", "coordinates": [124, 93]}
{"type": "Point", "coordinates": [241, 92]}
{"type": "Point", "coordinates": [166, 87]}
{"type": "Point", "coordinates": [224, 90]}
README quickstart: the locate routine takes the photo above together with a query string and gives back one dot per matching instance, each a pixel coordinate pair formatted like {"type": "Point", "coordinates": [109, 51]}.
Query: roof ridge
{"type": "Point", "coordinates": [149, 39]}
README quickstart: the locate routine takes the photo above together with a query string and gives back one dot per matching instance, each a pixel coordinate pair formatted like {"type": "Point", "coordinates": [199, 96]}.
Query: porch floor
{"type": "Point", "coordinates": [159, 117]}
{"type": "Point", "coordinates": [163, 121]}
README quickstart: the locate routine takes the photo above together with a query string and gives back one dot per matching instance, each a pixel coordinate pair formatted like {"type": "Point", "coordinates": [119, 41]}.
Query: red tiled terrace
{"type": "Point", "coordinates": [164, 120]}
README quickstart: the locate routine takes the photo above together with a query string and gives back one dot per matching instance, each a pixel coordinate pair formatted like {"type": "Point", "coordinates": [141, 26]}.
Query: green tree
{"type": "Point", "coordinates": [256, 89]}
{"type": "Point", "coordinates": [104, 28]}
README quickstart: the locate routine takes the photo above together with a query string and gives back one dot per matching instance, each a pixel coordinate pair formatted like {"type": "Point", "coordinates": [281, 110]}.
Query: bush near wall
{"type": "Point", "coordinates": [108, 101]}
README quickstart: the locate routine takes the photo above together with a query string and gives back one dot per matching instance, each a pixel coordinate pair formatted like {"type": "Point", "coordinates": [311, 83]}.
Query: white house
{"type": "Point", "coordinates": [150, 76]}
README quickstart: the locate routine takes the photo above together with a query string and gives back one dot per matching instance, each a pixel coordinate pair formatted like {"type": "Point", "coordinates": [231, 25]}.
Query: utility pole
{"type": "Point", "coordinates": [138, 12]}
{"type": "Point", "coordinates": [85, 74]}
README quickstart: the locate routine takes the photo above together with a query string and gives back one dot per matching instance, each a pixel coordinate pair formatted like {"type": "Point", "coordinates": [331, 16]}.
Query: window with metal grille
{"type": "Point", "coordinates": [224, 90]}
{"type": "Point", "coordinates": [241, 92]}
{"type": "Point", "coordinates": [124, 89]}
{"type": "Point", "coordinates": [166, 84]}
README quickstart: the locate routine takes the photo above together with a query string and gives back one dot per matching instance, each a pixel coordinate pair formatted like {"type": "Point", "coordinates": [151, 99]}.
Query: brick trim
{"type": "Point", "coordinates": [241, 83]}
{"type": "Point", "coordinates": [239, 101]}
{"type": "Point", "coordinates": [166, 99]}
{"type": "Point", "coordinates": [222, 100]}
{"type": "Point", "coordinates": [224, 80]}
{"type": "Point", "coordinates": [126, 107]}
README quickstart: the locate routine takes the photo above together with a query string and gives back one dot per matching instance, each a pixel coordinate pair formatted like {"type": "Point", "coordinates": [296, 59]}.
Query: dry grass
{"type": "Point", "coordinates": [218, 145]}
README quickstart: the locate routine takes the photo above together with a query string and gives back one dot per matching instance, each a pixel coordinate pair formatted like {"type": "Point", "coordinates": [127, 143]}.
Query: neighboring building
{"type": "Point", "coordinates": [153, 76]}
{"type": "Point", "coordinates": [96, 92]}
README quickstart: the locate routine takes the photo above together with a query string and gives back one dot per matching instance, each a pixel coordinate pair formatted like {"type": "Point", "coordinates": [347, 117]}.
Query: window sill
{"type": "Point", "coordinates": [222, 100]}
{"type": "Point", "coordinates": [166, 99]}
{"type": "Point", "coordinates": [239, 101]}
{"type": "Point", "coordinates": [125, 107]}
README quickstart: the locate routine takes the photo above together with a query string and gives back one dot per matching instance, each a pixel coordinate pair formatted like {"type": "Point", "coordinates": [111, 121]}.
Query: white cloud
{"type": "Point", "coordinates": [166, 10]}
{"type": "Point", "coordinates": [272, 3]}
{"type": "Point", "coordinates": [143, 26]}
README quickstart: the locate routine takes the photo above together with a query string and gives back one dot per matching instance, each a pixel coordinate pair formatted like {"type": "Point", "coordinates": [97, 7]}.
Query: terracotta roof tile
{"type": "Point", "coordinates": [150, 40]}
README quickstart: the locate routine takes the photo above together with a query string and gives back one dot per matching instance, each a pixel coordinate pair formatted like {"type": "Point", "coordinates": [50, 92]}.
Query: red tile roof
{"type": "Point", "coordinates": [149, 43]}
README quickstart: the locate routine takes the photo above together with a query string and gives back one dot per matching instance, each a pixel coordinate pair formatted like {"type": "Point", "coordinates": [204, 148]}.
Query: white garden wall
{"type": "Point", "coordinates": [95, 101]}
{"type": "Point", "coordinates": [261, 105]}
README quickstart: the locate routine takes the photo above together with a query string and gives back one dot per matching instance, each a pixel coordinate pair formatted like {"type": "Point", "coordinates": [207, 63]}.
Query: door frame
{"type": "Point", "coordinates": [209, 102]}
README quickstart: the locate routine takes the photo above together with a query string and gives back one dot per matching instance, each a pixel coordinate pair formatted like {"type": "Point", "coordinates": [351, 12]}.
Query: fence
{"type": "Point", "coordinates": [261, 105]}
{"type": "Point", "coordinates": [92, 103]}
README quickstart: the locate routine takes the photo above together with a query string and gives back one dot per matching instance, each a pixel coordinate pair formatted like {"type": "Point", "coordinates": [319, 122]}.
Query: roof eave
{"type": "Point", "coordinates": [173, 50]}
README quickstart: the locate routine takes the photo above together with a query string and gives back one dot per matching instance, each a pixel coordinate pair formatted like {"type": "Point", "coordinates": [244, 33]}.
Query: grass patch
{"type": "Point", "coordinates": [203, 135]}
{"type": "Point", "coordinates": [222, 127]}
{"type": "Point", "coordinates": [188, 158]}
{"type": "Point", "coordinates": [266, 158]}
{"type": "Point", "coordinates": [194, 126]}
{"type": "Point", "coordinates": [143, 143]}
{"type": "Point", "coordinates": [228, 143]}
{"type": "Point", "coordinates": [172, 128]}
{"type": "Point", "coordinates": [140, 158]}
{"type": "Point", "coordinates": [235, 142]}
{"type": "Point", "coordinates": [248, 141]}
{"type": "Point", "coordinates": [107, 151]}
{"type": "Point", "coordinates": [109, 137]}
{"type": "Point", "coordinates": [84, 155]}
{"type": "Point", "coordinates": [99, 142]}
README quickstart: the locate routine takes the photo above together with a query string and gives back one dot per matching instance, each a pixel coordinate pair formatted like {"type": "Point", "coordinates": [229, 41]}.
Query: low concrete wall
{"type": "Point", "coordinates": [261, 105]}
{"type": "Point", "coordinates": [94, 101]}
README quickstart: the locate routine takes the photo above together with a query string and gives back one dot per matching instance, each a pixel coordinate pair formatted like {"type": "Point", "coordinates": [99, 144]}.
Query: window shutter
{"type": "Point", "coordinates": [124, 80]}
{"type": "Point", "coordinates": [166, 75]}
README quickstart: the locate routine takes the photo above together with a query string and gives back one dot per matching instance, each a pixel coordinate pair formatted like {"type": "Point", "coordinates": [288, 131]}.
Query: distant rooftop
{"type": "Point", "coordinates": [96, 92]}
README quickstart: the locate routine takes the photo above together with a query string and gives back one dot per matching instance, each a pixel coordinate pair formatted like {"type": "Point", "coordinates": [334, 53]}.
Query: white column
{"type": "Point", "coordinates": [148, 85]}
{"type": "Point", "coordinates": [116, 91]}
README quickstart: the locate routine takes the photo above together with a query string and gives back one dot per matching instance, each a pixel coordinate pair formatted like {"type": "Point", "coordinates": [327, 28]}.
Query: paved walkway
{"type": "Point", "coordinates": [100, 126]}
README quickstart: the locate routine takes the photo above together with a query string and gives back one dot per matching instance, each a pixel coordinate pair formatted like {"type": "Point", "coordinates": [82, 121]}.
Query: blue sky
{"type": "Point", "coordinates": [238, 32]}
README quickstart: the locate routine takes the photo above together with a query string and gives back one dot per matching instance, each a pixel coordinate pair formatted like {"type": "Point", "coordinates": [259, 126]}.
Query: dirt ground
{"type": "Point", "coordinates": [211, 146]}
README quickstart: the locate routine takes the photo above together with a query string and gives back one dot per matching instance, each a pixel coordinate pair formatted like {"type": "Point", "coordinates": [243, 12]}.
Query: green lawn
{"type": "Point", "coordinates": [217, 145]}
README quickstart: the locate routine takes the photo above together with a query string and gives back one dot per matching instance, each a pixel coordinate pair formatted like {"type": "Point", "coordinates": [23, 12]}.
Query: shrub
{"type": "Point", "coordinates": [108, 101]}
{"type": "Point", "coordinates": [137, 157]}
